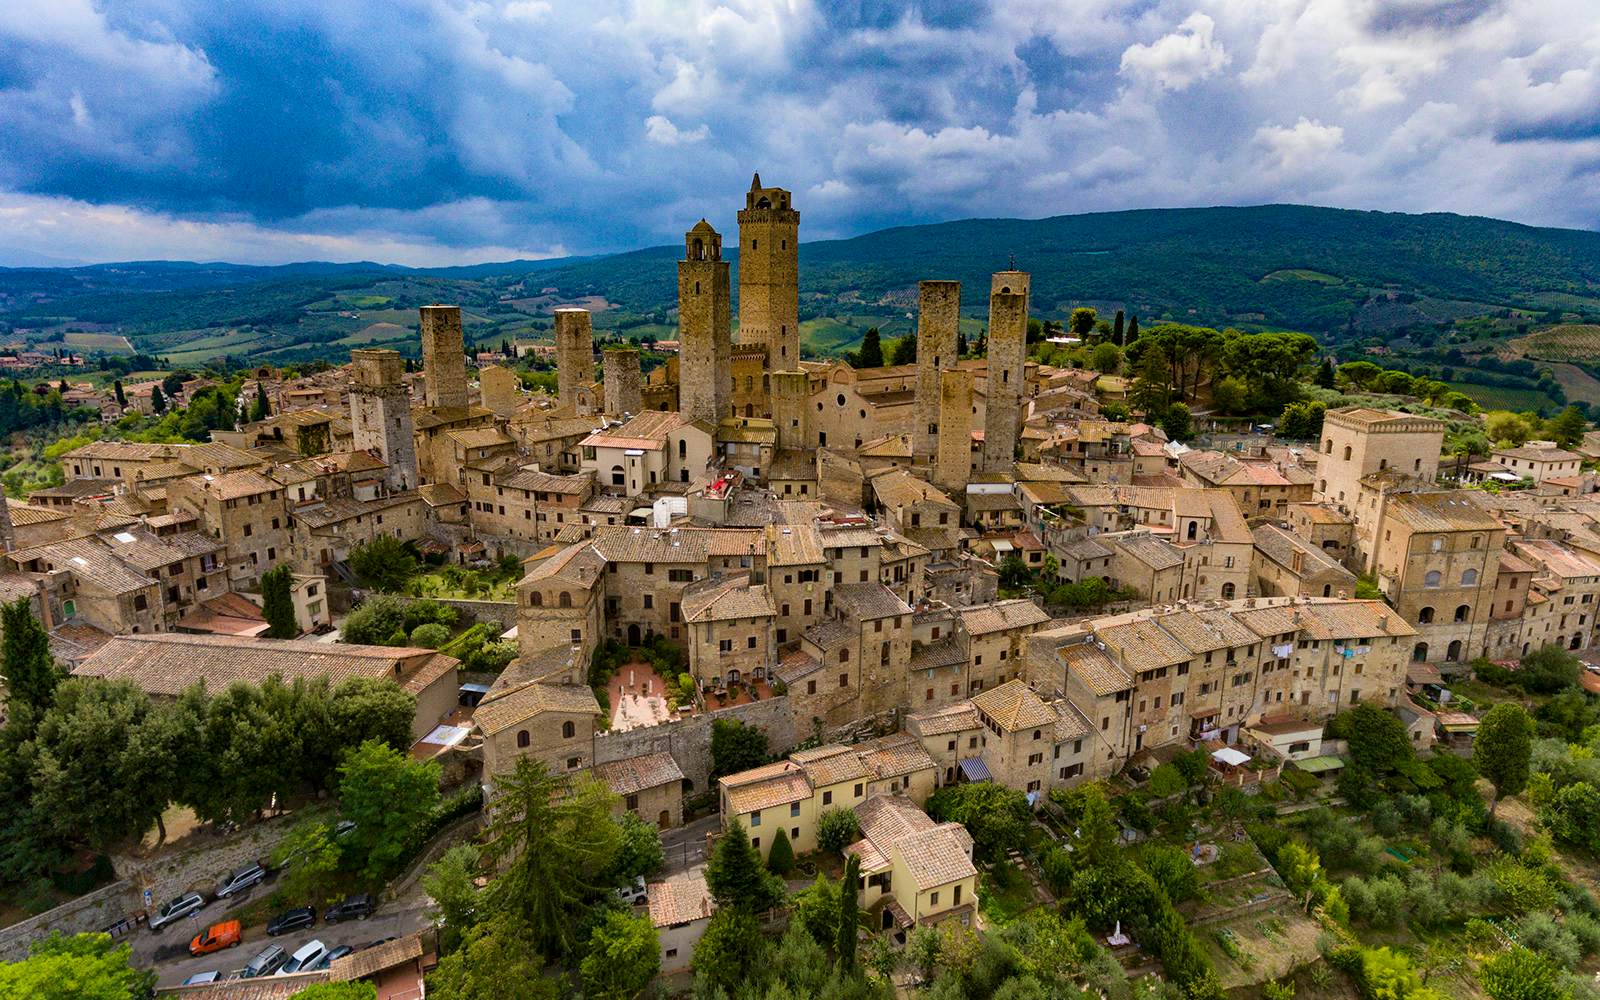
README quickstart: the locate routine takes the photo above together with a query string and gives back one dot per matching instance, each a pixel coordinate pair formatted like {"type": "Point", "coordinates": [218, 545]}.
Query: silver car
{"type": "Point", "coordinates": [241, 880]}
{"type": "Point", "coordinates": [179, 908]}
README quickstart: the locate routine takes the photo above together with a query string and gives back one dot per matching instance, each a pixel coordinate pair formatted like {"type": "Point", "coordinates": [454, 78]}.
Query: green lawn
{"type": "Point", "coordinates": [1004, 893]}
{"type": "Point", "coordinates": [1494, 397]}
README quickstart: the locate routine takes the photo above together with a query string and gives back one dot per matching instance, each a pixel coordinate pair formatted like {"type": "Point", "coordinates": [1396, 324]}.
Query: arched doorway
{"type": "Point", "coordinates": [664, 821]}
{"type": "Point", "coordinates": [1453, 654]}
{"type": "Point", "coordinates": [1419, 654]}
{"type": "Point", "coordinates": [633, 634]}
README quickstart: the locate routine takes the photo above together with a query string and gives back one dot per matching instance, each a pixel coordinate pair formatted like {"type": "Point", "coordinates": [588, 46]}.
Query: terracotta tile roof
{"type": "Point", "coordinates": [24, 515]}
{"type": "Point", "coordinates": [983, 619]}
{"type": "Point", "coordinates": [1447, 511]}
{"type": "Point", "coordinates": [1367, 417]}
{"type": "Point", "coordinates": [145, 550]}
{"type": "Point", "coordinates": [676, 545]}
{"type": "Point", "coordinates": [950, 719]}
{"type": "Point", "coordinates": [501, 711]}
{"type": "Point", "coordinates": [1097, 670]}
{"type": "Point", "coordinates": [480, 437]}
{"type": "Point", "coordinates": [547, 482]}
{"type": "Point", "coordinates": [88, 559]}
{"type": "Point", "coordinates": [235, 485]}
{"type": "Point", "coordinates": [831, 634]}
{"type": "Point", "coordinates": [1071, 724]}
{"type": "Point", "coordinates": [441, 494]}
{"type": "Point", "coordinates": [869, 601]}
{"type": "Point", "coordinates": [764, 787]}
{"type": "Point", "coordinates": [635, 774]}
{"type": "Point", "coordinates": [1014, 706]}
{"type": "Point", "coordinates": [793, 545]}
{"type": "Point", "coordinates": [936, 854]}
{"type": "Point", "coordinates": [895, 755]}
{"type": "Point", "coordinates": [937, 857]}
{"type": "Point", "coordinates": [370, 961]}
{"type": "Point", "coordinates": [944, 653]}
{"type": "Point", "coordinates": [1156, 553]}
{"type": "Point", "coordinates": [796, 665]}
{"type": "Point", "coordinates": [169, 663]}
{"type": "Point", "coordinates": [829, 765]}
{"type": "Point", "coordinates": [1280, 546]}
{"type": "Point", "coordinates": [323, 513]}
{"type": "Point", "coordinates": [680, 901]}
{"type": "Point", "coordinates": [900, 488]}
{"type": "Point", "coordinates": [721, 599]}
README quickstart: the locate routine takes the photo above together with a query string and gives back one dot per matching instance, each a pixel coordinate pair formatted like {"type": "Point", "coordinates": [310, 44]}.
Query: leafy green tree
{"type": "Point", "coordinates": [905, 350]}
{"type": "Point", "coordinates": [639, 853]}
{"type": "Point", "coordinates": [624, 955]}
{"type": "Point", "coordinates": [1573, 815]}
{"type": "Point", "coordinates": [735, 875]}
{"type": "Point", "coordinates": [429, 636]}
{"type": "Point", "coordinates": [81, 967]}
{"type": "Point", "coordinates": [1378, 739]}
{"type": "Point", "coordinates": [780, 856]}
{"type": "Point", "coordinates": [1302, 421]}
{"type": "Point", "coordinates": [1502, 749]}
{"type": "Point", "coordinates": [160, 758]}
{"type": "Point", "coordinates": [371, 708]}
{"type": "Point", "coordinates": [1520, 974]}
{"type": "Point", "coordinates": [312, 857]}
{"type": "Point", "coordinates": [837, 829]}
{"type": "Point", "coordinates": [260, 410]}
{"type": "Point", "coordinates": [1325, 374]}
{"type": "Point", "coordinates": [385, 563]}
{"type": "Point", "coordinates": [1228, 394]}
{"type": "Point", "coordinates": [374, 621]}
{"type": "Point", "coordinates": [1133, 329]}
{"type": "Point", "coordinates": [1177, 423]}
{"type": "Point", "coordinates": [736, 747]}
{"type": "Point", "coordinates": [552, 838]}
{"type": "Point", "coordinates": [276, 604]}
{"type": "Point", "coordinates": [996, 816]}
{"type": "Point", "coordinates": [499, 958]}
{"type": "Point", "coordinates": [727, 953]}
{"type": "Point", "coordinates": [849, 919]}
{"type": "Point", "coordinates": [871, 353]}
{"type": "Point", "coordinates": [449, 883]}
{"type": "Point", "coordinates": [29, 671]}
{"type": "Point", "coordinates": [1568, 427]}
{"type": "Point", "coordinates": [1014, 573]}
{"type": "Point", "coordinates": [391, 798]}
{"type": "Point", "coordinates": [816, 908]}
{"type": "Point", "coordinates": [1107, 358]}
{"type": "Point", "coordinates": [354, 990]}
{"type": "Point", "coordinates": [1548, 670]}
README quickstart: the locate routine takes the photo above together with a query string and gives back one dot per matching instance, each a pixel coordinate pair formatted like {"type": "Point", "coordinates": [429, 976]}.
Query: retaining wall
{"type": "Point", "coordinates": [689, 740]}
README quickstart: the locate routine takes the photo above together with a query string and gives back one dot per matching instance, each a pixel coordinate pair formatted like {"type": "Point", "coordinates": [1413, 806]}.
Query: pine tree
{"type": "Point", "coordinates": [276, 604]}
{"type": "Point", "coordinates": [905, 350]}
{"type": "Point", "coordinates": [30, 672]}
{"type": "Point", "coordinates": [735, 876]}
{"type": "Point", "coordinates": [1133, 328]}
{"type": "Point", "coordinates": [1325, 374]}
{"type": "Point", "coordinates": [158, 402]}
{"type": "Point", "coordinates": [1116, 328]}
{"type": "Point", "coordinates": [116, 390]}
{"type": "Point", "coordinates": [846, 942]}
{"type": "Point", "coordinates": [871, 355]}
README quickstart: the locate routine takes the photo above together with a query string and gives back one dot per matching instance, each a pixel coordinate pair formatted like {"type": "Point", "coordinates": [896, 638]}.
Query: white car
{"type": "Point", "coordinates": [304, 959]}
{"type": "Point", "coordinates": [633, 893]}
{"type": "Point", "coordinates": [179, 908]}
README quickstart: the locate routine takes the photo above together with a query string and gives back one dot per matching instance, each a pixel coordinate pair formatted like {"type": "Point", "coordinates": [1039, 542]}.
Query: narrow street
{"type": "Point", "coordinates": [685, 846]}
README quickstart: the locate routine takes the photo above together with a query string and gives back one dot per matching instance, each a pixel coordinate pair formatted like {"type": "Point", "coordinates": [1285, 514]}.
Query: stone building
{"type": "Point", "coordinates": [730, 631]}
{"type": "Point", "coordinates": [769, 274]}
{"type": "Point", "coordinates": [550, 723]}
{"type": "Point", "coordinates": [1287, 565]}
{"type": "Point", "coordinates": [1358, 442]}
{"type": "Point", "coordinates": [953, 463]}
{"type": "Point", "coordinates": [790, 416]}
{"type": "Point", "coordinates": [246, 511]}
{"type": "Point", "coordinates": [499, 390]}
{"type": "Point", "coordinates": [1008, 337]}
{"type": "Point", "coordinates": [380, 414]}
{"type": "Point", "coordinates": [1027, 743]}
{"type": "Point", "coordinates": [623, 396]}
{"type": "Point", "coordinates": [938, 323]}
{"type": "Point", "coordinates": [444, 357]}
{"type": "Point", "coordinates": [574, 356]}
{"type": "Point", "coordinates": [704, 327]}
{"type": "Point", "coordinates": [1437, 556]}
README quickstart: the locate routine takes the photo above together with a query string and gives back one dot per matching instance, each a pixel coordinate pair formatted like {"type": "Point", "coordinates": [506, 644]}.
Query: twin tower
{"type": "Point", "coordinates": [769, 319]}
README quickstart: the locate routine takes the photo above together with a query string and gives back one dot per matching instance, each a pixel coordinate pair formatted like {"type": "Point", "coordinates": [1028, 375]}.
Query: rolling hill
{"type": "Point", "coordinates": [1332, 272]}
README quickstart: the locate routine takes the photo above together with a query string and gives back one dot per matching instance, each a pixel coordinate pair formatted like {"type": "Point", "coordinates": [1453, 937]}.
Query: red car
{"type": "Point", "coordinates": [215, 938]}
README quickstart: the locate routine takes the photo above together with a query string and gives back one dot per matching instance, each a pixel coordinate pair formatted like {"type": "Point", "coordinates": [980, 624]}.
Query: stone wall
{"type": "Point", "coordinates": [689, 740]}
{"type": "Point", "coordinates": [1008, 335]}
{"type": "Point", "coordinates": [444, 357]}
{"type": "Point", "coordinates": [938, 320]}
{"type": "Point", "coordinates": [504, 612]}
{"type": "Point", "coordinates": [623, 393]}
{"type": "Point", "coordinates": [953, 460]}
{"type": "Point", "coordinates": [95, 911]}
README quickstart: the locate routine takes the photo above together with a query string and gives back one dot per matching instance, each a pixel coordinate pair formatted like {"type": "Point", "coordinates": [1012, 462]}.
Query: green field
{"type": "Point", "coordinates": [112, 343]}
{"type": "Point", "coordinates": [1302, 274]}
{"type": "Point", "coordinates": [1577, 342]}
{"type": "Point", "coordinates": [1494, 397]}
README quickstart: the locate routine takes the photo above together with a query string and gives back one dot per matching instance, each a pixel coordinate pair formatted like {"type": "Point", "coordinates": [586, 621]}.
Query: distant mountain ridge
{"type": "Point", "coordinates": [1324, 270]}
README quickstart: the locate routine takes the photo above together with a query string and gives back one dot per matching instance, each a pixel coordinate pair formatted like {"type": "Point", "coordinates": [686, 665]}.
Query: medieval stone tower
{"type": "Point", "coordinates": [953, 465]}
{"type": "Point", "coordinates": [769, 275]}
{"type": "Point", "coordinates": [498, 389]}
{"type": "Point", "coordinates": [574, 355]}
{"type": "Point", "coordinates": [938, 317]}
{"type": "Point", "coordinates": [705, 321]}
{"type": "Point", "coordinates": [790, 392]}
{"type": "Point", "coordinates": [623, 390]}
{"type": "Point", "coordinates": [380, 413]}
{"type": "Point", "coordinates": [444, 357]}
{"type": "Point", "coordinates": [8, 534]}
{"type": "Point", "coordinates": [1008, 346]}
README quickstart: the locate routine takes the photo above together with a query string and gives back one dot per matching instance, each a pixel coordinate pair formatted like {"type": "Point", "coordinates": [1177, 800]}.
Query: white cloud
{"type": "Point", "coordinates": [1304, 146]}
{"type": "Point", "coordinates": [660, 130]}
{"type": "Point", "coordinates": [1180, 59]}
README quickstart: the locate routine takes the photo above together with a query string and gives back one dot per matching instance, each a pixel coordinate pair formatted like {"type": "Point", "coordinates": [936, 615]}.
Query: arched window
{"type": "Point", "coordinates": [1194, 527]}
{"type": "Point", "coordinates": [1425, 616]}
{"type": "Point", "coordinates": [1227, 592]}
{"type": "Point", "coordinates": [1469, 577]}
{"type": "Point", "coordinates": [1453, 654]}
{"type": "Point", "coordinates": [536, 599]}
{"type": "Point", "coordinates": [1463, 612]}
{"type": "Point", "coordinates": [1432, 579]}
{"type": "Point", "coordinates": [522, 739]}
{"type": "Point", "coordinates": [1347, 453]}
{"type": "Point", "coordinates": [568, 730]}
{"type": "Point", "coordinates": [1419, 653]}
{"type": "Point", "coordinates": [1577, 641]}
{"type": "Point", "coordinates": [1327, 590]}
{"type": "Point", "coordinates": [1327, 446]}
{"type": "Point", "coordinates": [566, 599]}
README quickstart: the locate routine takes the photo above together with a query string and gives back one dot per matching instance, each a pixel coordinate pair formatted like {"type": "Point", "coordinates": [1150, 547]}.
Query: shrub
{"type": "Point", "coordinates": [375, 621]}
{"type": "Point", "coordinates": [1519, 974]}
{"type": "Point", "coordinates": [837, 829]}
{"type": "Point", "coordinates": [1540, 932]}
{"type": "Point", "coordinates": [430, 636]}
{"type": "Point", "coordinates": [780, 857]}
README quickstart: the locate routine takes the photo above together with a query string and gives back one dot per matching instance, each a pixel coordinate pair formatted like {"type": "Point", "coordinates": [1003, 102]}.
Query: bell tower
{"type": "Point", "coordinates": [769, 275]}
{"type": "Point", "coordinates": [705, 318]}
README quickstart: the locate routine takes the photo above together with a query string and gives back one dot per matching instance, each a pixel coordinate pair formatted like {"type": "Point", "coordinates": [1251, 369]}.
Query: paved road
{"type": "Point", "coordinates": [167, 950]}
{"type": "Point", "coordinates": [685, 846]}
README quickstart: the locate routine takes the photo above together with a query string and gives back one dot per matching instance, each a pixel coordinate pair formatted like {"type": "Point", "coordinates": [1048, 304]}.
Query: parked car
{"type": "Point", "coordinates": [292, 920]}
{"type": "Point", "coordinates": [179, 908]}
{"type": "Point", "coordinates": [241, 880]}
{"type": "Point", "coordinates": [267, 961]}
{"type": "Point", "coordinates": [633, 893]}
{"type": "Point", "coordinates": [357, 907]}
{"type": "Point", "coordinates": [333, 956]}
{"type": "Point", "coordinates": [202, 978]}
{"type": "Point", "coordinates": [227, 934]}
{"type": "Point", "coordinates": [343, 829]}
{"type": "Point", "coordinates": [304, 959]}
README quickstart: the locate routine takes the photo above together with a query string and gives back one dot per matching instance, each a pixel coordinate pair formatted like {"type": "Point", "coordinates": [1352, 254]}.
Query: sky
{"type": "Point", "coordinates": [430, 132]}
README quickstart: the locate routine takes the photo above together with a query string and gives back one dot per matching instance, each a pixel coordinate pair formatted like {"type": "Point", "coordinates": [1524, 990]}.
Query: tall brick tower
{"type": "Point", "coordinates": [938, 317]}
{"type": "Point", "coordinates": [953, 465]}
{"type": "Point", "coordinates": [444, 357]}
{"type": "Point", "coordinates": [574, 355]}
{"type": "Point", "coordinates": [769, 275]}
{"type": "Point", "coordinates": [623, 384]}
{"type": "Point", "coordinates": [705, 319]}
{"type": "Point", "coordinates": [1008, 347]}
{"type": "Point", "coordinates": [790, 391]}
{"type": "Point", "coordinates": [380, 413]}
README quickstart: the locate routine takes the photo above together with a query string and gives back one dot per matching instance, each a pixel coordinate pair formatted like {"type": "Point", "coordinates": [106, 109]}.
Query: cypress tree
{"type": "Point", "coordinates": [871, 355]}
{"type": "Point", "coordinates": [260, 409]}
{"type": "Point", "coordinates": [780, 857]}
{"type": "Point", "coordinates": [1116, 328]}
{"type": "Point", "coordinates": [847, 939]}
{"type": "Point", "coordinates": [30, 672]}
{"type": "Point", "coordinates": [158, 402]}
{"type": "Point", "coordinates": [276, 604]}
{"type": "Point", "coordinates": [116, 389]}
{"type": "Point", "coordinates": [1133, 328]}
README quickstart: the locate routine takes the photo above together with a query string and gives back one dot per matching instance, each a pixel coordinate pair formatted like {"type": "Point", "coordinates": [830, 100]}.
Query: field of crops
{"type": "Point", "coordinates": [1572, 342]}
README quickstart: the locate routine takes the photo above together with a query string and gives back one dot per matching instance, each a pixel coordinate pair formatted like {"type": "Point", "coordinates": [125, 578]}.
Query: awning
{"type": "Point", "coordinates": [974, 769]}
{"type": "Point", "coordinates": [1319, 765]}
{"type": "Point", "coordinates": [1230, 756]}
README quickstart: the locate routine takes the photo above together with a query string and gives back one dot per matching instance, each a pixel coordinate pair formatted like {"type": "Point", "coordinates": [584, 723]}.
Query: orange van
{"type": "Point", "coordinates": [215, 938]}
